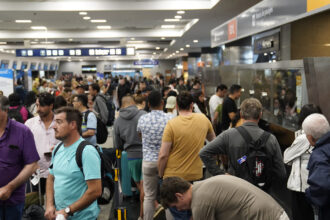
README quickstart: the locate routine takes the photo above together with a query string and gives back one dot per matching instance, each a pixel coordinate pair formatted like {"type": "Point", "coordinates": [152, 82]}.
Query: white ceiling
{"type": "Point", "coordinates": [139, 19]}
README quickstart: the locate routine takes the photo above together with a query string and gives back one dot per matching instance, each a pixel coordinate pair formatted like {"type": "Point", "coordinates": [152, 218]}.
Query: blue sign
{"type": "Point", "coordinates": [6, 81]}
{"type": "Point", "coordinates": [42, 52]}
{"type": "Point", "coordinates": [146, 62]}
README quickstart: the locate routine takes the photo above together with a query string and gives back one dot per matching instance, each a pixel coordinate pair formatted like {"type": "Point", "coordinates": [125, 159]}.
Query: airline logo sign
{"type": "Point", "coordinates": [315, 4]}
{"type": "Point", "coordinates": [232, 29]}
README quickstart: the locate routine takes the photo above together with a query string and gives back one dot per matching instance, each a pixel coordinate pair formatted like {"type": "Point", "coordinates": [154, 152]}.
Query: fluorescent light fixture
{"type": "Point", "coordinates": [177, 16]}
{"type": "Point", "coordinates": [171, 20]}
{"type": "Point", "coordinates": [98, 21]}
{"type": "Point", "coordinates": [154, 53]}
{"type": "Point", "coordinates": [23, 21]}
{"type": "Point", "coordinates": [132, 38]}
{"type": "Point", "coordinates": [70, 39]}
{"type": "Point", "coordinates": [168, 26]}
{"type": "Point", "coordinates": [188, 45]}
{"type": "Point", "coordinates": [81, 60]}
{"type": "Point", "coordinates": [177, 51]}
{"type": "Point", "coordinates": [172, 42]}
{"type": "Point", "coordinates": [3, 43]}
{"type": "Point", "coordinates": [48, 42]}
{"type": "Point", "coordinates": [327, 45]}
{"type": "Point", "coordinates": [163, 38]}
{"type": "Point", "coordinates": [39, 28]}
{"type": "Point", "coordinates": [82, 13]}
{"type": "Point", "coordinates": [86, 18]}
{"type": "Point", "coordinates": [104, 27]}
{"type": "Point", "coordinates": [195, 41]}
{"type": "Point", "coordinates": [157, 48]}
{"type": "Point", "coordinates": [180, 12]}
{"type": "Point", "coordinates": [135, 42]}
{"type": "Point", "coordinates": [34, 42]}
{"type": "Point", "coordinates": [181, 49]}
{"type": "Point", "coordinates": [166, 49]}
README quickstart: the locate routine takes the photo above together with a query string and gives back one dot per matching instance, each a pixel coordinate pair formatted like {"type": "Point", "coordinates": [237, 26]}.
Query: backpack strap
{"type": "Point", "coordinates": [55, 151]}
{"type": "Point", "coordinates": [79, 152]}
{"type": "Point", "coordinates": [245, 134]}
{"type": "Point", "coordinates": [264, 138]}
{"type": "Point", "coordinates": [86, 116]}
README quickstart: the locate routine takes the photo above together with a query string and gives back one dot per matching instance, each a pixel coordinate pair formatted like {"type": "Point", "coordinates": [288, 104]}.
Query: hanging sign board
{"type": "Point", "coordinates": [6, 81]}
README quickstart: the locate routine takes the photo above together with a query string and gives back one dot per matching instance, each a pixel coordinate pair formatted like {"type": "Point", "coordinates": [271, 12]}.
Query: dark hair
{"type": "Point", "coordinates": [184, 100]}
{"type": "Point", "coordinates": [46, 99]}
{"type": "Point", "coordinates": [221, 87]}
{"type": "Point", "coordinates": [234, 88]}
{"type": "Point", "coordinates": [170, 187]}
{"type": "Point", "coordinates": [59, 102]}
{"type": "Point", "coordinates": [155, 99]}
{"type": "Point", "coordinates": [196, 81]}
{"type": "Point", "coordinates": [30, 98]}
{"type": "Point", "coordinates": [83, 99]}
{"type": "Point", "coordinates": [95, 86]}
{"type": "Point", "coordinates": [165, 89]}
{"type": "Point", "coordinates": [71, 115]}
{"type": "Point", "coordinates": [172, 81]}
{"type": "Point", "coordinates": [307, 110]}
{"type": "Point", "coordinates": [14, 99]}
{"type": "Point", "coordinates": [172, 93]}
{"type": "Point", "coordinates": [4, 103]}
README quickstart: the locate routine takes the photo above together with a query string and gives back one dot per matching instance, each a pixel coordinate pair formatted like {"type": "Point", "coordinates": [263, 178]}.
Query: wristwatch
{"type": "Point", "coordinates": [67, 210]}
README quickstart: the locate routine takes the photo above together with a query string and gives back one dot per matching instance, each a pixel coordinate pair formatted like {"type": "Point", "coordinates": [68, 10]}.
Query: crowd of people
{"type": "Point", "coordinates": [174, 138]}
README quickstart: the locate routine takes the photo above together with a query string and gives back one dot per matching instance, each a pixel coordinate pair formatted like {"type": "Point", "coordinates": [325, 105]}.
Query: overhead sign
{"type": "Point", "coordinates": [75, 52]}
{"type": "Point", "coordinates": [7, 81]}
{"type": "Point", "coordinates": [146, 62]}
{"type": "Point", "coordinates": [263, 16]}
{"type": "Point", "coordinates": [315, 4]}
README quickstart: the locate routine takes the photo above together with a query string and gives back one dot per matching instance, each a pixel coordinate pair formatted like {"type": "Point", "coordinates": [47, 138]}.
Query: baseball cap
{"type": "Point", "coordinates": [170, 102]}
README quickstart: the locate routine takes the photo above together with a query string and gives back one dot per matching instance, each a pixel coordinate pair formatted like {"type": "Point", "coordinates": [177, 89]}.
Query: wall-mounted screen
{"type": "Point", "coordinates": [88, 68]}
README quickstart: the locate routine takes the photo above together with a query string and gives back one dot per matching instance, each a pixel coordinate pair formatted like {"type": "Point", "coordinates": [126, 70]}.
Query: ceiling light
{"type": "Point", "coordinates": [104, 27]}
{"type": "Point", "coordinates": [327, 45]}
{"type": "Point", "coordinates": [195, 41]}
{"type": "Point", "coordinates": [188, 45]}
{"type": "Point", "coordinates": [132, 38]}
{"type": "Point", "coordinates": [154, 53]}
{"type": "Point", "coordinates": [168, 26]}
{"type": "Point", "coordinates": [33, 42]}
{"type": "Point", "coordinates": [82, 13]}
{"type": "Point", "coordinates": [47, 42]}
{"type": "Point", "coordinates": [70, 39]}
{"type": "Point", "coordinates": [98, 21]}
{"type": "Point", "coordinates": [163, 38]}
{"type": "Point", "coordinates": [177, 16]}
{"type": "Point", "coordinates": [81, 60]}
{"type": "Point", "coordinates": [135, 42]}
{"type": "Point", "coordinates": [181, 49]}
{"type": "Point", "coordinates": [177, 51]}
{"type": "Point", "coordinates": [39, 28]}
{"type": "Point", "coordinates": [2, 43]}
{"type": "Point", "coordinates": [180, 12]}
{"type": "Point", "coordinates": [86, 18]}
{"type": "Point", "coordinates": [157, 48]}
{"type": "Point", "coordinates": [171, 20]}
{"type": "Point", "coordinates": [23, 21]}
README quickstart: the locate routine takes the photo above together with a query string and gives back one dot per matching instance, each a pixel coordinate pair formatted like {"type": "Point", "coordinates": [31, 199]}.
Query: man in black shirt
{"type": "Point", "coordinates": [229, 108]}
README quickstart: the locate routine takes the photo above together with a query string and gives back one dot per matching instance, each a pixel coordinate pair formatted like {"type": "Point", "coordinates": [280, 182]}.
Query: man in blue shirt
{"type": "Point", "coordinates": [151, 127]}
{"type": "Point", "coordinates": [89, 123]}
{"type": "Point", "coordinates": [69, 191]}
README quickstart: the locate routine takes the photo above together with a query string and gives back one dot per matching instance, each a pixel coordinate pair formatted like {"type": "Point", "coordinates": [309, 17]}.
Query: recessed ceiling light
{"type": "Point", "coordinates": [157, 48]}
{"type": "Point", "coordinates": [23, 21]}
{"type": "Point", "coordinates": [82, 13]}
{"type": "Point", "coordinates": [168, 26]}
{"type": "Point", "coordinates": [177, 51]}
{"type": "Point", "coordinates": [70, 39]}
{"type": "Point", "coordinates": [171, 20]}
{"type": "Point", "coordinates": [181, 49]}
{"type": "Point", "coordinates": [327, 45]}
{"type": "Point", "coordinates": [104, 27]}
{"type": "Point", "coordinates": [180, 12]}
{"type": "Point", "coordinates": [154, 53]}
{"type": "Point", "coordinates": [187, 45]}
{"type": "Point", "coordinates": [81, 60]}
{"type": "Point", "coordinates": [34, 42]}
{"type": "Point", "coordinates": [136, 42]}
{"type": "Point", "coordinates": [2, 43]}
{"type": "Point", "coordinates": [132, 38]}
{"type": "Point", "coordinates": [39, 28]}
{"type": "Point", "coordinates": [98, 21]}
{"type": "Point", "coordinates": [86, 18]}
{"type": "Point", "coordinates": [163, 38]}
{"type": "Point", "coordinates": [195, 41]}
{"type": "Point", "coordinates": [177, 16]}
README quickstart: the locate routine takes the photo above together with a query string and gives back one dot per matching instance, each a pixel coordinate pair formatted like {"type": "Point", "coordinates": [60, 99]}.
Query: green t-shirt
{"type": "Point", "coordinates": [219, 110]}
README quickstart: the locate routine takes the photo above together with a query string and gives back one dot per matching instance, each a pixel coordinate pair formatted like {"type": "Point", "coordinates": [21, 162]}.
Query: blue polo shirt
{"type": "Point", "coordinates": [70, 183]}
{"type": "Point", "coordinates": [17, 149]}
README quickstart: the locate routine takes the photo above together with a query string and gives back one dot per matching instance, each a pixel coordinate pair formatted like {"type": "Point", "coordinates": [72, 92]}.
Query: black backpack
{"type": "Point", "coordinates": [15, 114]}
{"type": "Point", "coordinates": [101, 129]}
{"type": "Point", "coordinates": [111, 110]}
{"type": "Point", "coordinates": [107, 173]}
{"type": "Point", "coordinates": [256, 160]}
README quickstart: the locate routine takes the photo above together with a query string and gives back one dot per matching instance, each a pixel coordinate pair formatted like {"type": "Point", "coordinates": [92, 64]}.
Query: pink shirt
{"type": "Point", "coordinates": [23, 112]}
{"type": "Point", "coordinates": [44, 139]}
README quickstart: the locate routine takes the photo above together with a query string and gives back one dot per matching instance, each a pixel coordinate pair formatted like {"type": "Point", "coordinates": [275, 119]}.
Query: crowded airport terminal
{"type": "Point", "coordinates": [164, 110]}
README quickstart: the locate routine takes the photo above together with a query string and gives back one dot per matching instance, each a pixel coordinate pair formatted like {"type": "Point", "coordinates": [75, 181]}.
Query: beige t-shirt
{"type": "Point", "coordinates": [229, 197]}
{"type": "Point", "coordinates": [187, 135]}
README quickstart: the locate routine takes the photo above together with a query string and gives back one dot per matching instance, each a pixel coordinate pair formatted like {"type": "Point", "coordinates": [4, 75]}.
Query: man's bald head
{"type": "Point", "coordinates": [127, 101]}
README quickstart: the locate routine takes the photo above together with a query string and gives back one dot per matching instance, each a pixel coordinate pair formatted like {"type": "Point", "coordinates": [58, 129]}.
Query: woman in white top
{"type": "Point", "coordinates": [297, 156]}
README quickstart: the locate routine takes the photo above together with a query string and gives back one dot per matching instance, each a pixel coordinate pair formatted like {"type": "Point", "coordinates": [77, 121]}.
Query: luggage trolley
{"type": "Point", "coordinates": [120, 210]}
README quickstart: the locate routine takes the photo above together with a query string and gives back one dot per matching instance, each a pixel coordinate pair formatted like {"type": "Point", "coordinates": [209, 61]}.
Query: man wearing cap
{"type": "Point", "coordinates": [170, 106]}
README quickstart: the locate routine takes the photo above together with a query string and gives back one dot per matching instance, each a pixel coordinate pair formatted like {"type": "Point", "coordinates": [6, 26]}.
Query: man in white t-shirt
{"type": "Point", "coordinates": [217, 99]}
